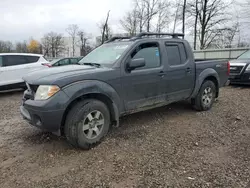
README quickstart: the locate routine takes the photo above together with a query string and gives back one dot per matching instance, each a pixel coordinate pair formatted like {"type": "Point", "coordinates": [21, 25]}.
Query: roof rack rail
{"type": "Point", "coordinates": [140, 35]}
{"type": "Point", "coordinates": [112, 39]}
{"type": "Point", "coordinates": [174, 35]}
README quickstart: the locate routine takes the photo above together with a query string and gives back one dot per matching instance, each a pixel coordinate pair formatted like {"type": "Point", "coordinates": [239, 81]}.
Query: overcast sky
{"type": "Point", "coordinates": [22, 19]}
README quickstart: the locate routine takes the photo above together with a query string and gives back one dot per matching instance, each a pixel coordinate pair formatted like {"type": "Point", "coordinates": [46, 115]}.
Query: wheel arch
{"type": "Point", "coordinates": [114, 113]}
{"type": "Point", "coordinates": [207, 74]}
{"type": "Point", "coordinates": [93, 89]}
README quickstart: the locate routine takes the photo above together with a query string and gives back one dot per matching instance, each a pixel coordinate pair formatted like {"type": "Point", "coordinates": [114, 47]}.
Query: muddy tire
{"type": "Point", "coordinates": [87, 123]}
{"type": "Point", "coordinates": [205, 97]}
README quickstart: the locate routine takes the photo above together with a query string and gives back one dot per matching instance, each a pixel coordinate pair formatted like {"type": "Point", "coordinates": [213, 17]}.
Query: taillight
{"type": "Point", "coordinates": [228, 68]}
{"type": "Point", "coordinates": [45, 64]}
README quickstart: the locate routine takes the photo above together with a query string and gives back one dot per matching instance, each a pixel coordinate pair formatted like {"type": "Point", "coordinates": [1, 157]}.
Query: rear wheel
{"type": "Point", "coordinates": [205, 97]}
{"type": "Point", "coordinates": [87, 123]}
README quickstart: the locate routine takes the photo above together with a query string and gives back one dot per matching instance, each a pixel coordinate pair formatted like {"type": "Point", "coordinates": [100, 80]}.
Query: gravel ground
{"type": "Point", "coordinates": [172, 146]}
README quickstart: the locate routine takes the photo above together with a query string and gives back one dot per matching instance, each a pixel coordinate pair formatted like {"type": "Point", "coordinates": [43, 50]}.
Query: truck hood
{"type": "Point", "coordinates": [52, 75]}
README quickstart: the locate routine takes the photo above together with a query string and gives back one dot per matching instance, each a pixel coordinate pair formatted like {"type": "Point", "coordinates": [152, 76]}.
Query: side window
{"type": "Point", "coordinates": [74, 60]}
{"type": "Point", "coordinates": [176, 54]}
{"type": "Point", "coordinates": [32, 59]}
{"type": "Point", "coordinates": [63, 62]}
{"type": "Point", "coordinates": [150, 52]}
{"type": "Point", "coordinates": [1, 61]}
{"type": "Point", "coordinates": [12, 60]}
{"type": "Point", "coordinates": [183, 52]}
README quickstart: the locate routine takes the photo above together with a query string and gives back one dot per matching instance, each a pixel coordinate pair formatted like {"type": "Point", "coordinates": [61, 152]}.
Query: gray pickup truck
{"type": "Point", "coordinates": [122, 76]}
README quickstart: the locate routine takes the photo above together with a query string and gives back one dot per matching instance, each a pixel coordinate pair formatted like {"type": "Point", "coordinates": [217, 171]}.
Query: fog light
{"type": "Point", "coordinates": [37, 121]}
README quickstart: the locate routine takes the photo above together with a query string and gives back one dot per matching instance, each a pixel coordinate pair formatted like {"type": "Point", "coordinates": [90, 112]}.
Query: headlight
{"type": "Point", "coordinates": [248, 68]}
{"type": "Point", "coordinates": [44, 92]}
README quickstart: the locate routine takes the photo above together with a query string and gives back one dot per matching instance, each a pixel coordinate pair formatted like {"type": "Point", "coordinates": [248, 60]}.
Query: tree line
{"type": "Point", "coordinates": [210, 23]}
{"type": "Point", "coordinates": [52, 44]}
{"type": "Point", "coordinates": [32, 46]}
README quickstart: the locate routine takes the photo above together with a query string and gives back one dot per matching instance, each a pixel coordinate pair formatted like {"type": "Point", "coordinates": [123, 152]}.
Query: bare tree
{"type": "Point", "coordinates": [211, 17]}
{"type": "Point", "coordinates": [105, 29]}
{"type": "Point", "coordinates": [176, 15]}
{"type": "Point", "coordinates": [163, 19]}
{"type": "Point", "coordinates": [229, 35]}
{"type": "Point", "coordinates": [196, 14]}
{"type": "Point", "coordinates": [193, 14]}
{"type": "Point", "coordinates": [21, 47]}
{"type": "Point", "coordinates": [6, 46]}
{"type": "Point", "coordinates": [72, 30]}
{"type": "Point", "coordinates": [184, 16]}
{"type": "Point", "coordinates": [53, 44]}
{"type": "Point", "coordinates": [144, 14]}
{"type": "Point", "coordinates": [130, 22]}
{"type": "Point", "coordinates": [46, 45]}
{"type": "Point", "coordinates": [83, 40]}
{"type": "Point", "coordinates": [140, 6]}
{"type": "Point", "coordinates": [151, 11]}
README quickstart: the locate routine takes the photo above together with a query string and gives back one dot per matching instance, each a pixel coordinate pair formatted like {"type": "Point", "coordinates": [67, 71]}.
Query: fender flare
{"type": "Point", "coordinates": [88, 87]}
{"type": "Point", "coordinates": [202, 76]}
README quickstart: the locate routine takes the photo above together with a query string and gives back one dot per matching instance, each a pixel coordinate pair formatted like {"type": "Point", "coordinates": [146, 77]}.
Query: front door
{"type": "Point", "coordinates": [143, 86]}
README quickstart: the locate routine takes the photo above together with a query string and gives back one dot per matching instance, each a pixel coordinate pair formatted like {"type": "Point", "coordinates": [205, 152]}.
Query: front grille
{"type": "Point", "coordinates": [33, 88]}
{"type": "Point", "coordinates": [236, 69]}
{"type": "Point", "coordinates": [30, 92]}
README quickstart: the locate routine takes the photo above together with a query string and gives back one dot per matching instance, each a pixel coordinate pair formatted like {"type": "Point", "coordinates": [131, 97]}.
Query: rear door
{"type": "Point", "coordinates": [181, 71]}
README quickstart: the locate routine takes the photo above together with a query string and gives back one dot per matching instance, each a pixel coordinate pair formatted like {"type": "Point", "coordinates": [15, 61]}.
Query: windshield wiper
{"type": "Point", "coordinates": [93, 64]}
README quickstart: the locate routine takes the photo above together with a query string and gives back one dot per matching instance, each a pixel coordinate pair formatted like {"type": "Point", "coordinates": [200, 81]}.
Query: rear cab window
{"type": "Point", "coordinates": [176, 53]}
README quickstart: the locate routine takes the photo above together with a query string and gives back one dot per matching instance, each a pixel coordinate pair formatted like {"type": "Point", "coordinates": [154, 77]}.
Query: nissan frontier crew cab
{"type": "Point", "coordinates": [122, 76]}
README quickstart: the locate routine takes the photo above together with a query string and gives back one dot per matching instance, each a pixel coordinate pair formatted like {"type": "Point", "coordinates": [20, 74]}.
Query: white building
{"type": "Point", "coordinates": [68, 52]}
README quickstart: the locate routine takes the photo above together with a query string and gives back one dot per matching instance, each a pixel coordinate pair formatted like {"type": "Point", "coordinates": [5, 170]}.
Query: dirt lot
{"type": "Point", "coordinates": [172, 146]}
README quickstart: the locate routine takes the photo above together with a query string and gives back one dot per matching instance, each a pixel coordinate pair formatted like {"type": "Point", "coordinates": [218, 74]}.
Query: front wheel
{"type": "Point", "coordinates": [205, 97]}
{"type": "Point", "coordinates": [87, 123]}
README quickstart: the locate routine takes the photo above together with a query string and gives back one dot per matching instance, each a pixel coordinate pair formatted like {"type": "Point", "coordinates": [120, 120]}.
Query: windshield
{"type": "Point", "coordinates": [245, 55]}
{"type": "Point", "coordinates": [106, 53]}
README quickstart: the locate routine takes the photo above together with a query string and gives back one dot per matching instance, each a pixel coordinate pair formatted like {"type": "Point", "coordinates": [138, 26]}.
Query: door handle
{"type": "Point", "coordinates": [188, 70]}
{"type": "Point", "coordinates": [161, 74]}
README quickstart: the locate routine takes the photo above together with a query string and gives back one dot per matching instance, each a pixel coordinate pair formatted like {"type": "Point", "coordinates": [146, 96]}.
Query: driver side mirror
{"type": "Point", "coordinates": [136, 63]}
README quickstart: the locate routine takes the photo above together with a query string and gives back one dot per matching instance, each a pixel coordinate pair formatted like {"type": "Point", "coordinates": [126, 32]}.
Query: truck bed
{"type": "Point", "coordinates": [220, 66]}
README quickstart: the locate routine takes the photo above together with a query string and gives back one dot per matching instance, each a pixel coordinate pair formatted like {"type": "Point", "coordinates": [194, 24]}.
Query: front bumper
{"type": "Point", "coordinates": [46, 115]}
{"type": "Point", "coordinates": [240, 79]}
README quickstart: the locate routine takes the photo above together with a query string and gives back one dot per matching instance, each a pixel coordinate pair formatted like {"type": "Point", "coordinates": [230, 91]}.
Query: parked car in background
{"type": "Point", "coordinates": [63, 61]}
{"type": "Point", "coordinates": [240, 69]}
{"type": "Point", "coordinates": [123, 76]}
{"type": "Point", "coordinates": [13, 66]}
